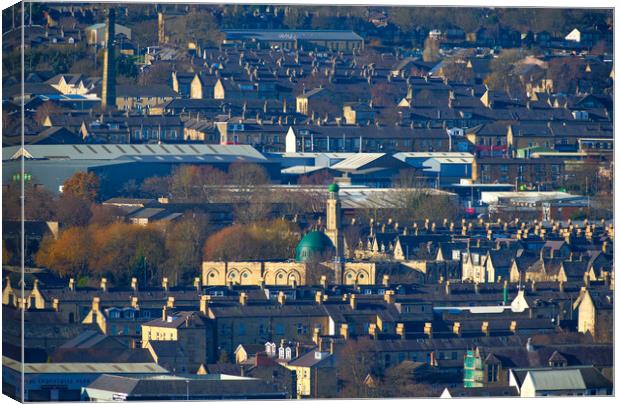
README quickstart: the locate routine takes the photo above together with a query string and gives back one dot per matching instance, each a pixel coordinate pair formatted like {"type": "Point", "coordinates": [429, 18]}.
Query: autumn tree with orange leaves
{"type": "Point", "coordinates": [275, 239]}
{"type": "Point", "coordinates": [82, 185]}
{"type": "Point", "coordinates": [69, 254]}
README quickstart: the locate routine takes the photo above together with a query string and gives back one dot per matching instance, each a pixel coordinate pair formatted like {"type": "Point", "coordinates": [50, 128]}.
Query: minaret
{"type": "Point", "coordinates": [333, 230]}
{"type": "Point", "coordinates": [108, 88]}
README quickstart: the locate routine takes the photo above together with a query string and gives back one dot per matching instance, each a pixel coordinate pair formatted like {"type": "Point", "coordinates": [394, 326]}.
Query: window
{"type": "Point", "coordinates": [113, 329]}
{"type": "Point", "coordinates": [492, 373]}
{"type": "Point", "coordinates": [241, 329]}
{"type": "Point", "coordinates": [279, 329]}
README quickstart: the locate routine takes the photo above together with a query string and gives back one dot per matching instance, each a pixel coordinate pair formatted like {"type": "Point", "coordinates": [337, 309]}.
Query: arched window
{"type": "Point", "coordinates": [288, 353]}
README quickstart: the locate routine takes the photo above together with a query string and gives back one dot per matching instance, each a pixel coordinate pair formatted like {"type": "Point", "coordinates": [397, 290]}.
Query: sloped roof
{"type": "Point", "coordinates": [173, 152]}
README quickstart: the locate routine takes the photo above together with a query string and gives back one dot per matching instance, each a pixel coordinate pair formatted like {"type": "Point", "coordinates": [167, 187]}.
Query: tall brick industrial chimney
{"type": "Point", "coordinates": [108, 89]}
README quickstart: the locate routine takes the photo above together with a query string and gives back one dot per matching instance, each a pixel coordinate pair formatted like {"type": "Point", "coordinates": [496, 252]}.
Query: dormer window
{"type": "Point", "coordinates": [281, 353]}
{"type": "Point", "coordinates": [288, 353]}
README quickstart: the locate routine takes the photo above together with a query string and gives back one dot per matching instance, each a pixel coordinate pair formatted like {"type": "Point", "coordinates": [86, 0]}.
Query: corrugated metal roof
{"type": "Point", "coordinates": [357, 161]}
{"type": "Point", "coordinates": [301, 169]}
{"type": "Point", "coordinates": [405, 155]}
{"type": "Point", "coordinates": [129, 151]}
{"type": "Point", "coordinates": [83, 367]}
{"type": "Point", "coordinates": [566, 379]}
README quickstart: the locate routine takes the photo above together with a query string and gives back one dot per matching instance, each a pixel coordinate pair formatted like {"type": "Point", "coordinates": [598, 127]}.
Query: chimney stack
{"type": "Point", "coordinates": [71, 284]}
{"type": "Point", "coordinates": [388, 296]}
{"type": "Point", "coordinates": [561, 286]}
{"type": "Point", "coordinates": [104, 285]}
{"type": "Point", "coordinates": [197, 283]}
{"type": "Point", "coordinates": [318, 297]}
{"type": "Point", "coordinates": [485, 328]}
{"type": "Point", "coordinates": [344, 331]}
{"type": "Point", "coordinates": [533, 285]}
{"type": "Point", "coordinates": [428, 329]}
{"type": "Point", "coordinates": [108, 88]}
{"type": "Point", "coordinates": [386, 281]}
{"type": "Point", "coordinates": [134, 284]}
{"type": "Point", "coordinates": [164, 284]}
{"type": "Point", "coordinates": [400, 330]}
{"type": "Point", "coordinates": [513, 327]}
{"type": "Point", "coordinates": [164, 313]}
{"type": "Point", "coordinates": [204, 304]}
{"type": "Point", "coordinates": [281, 298]}
{"type": "Point", "coordinates": [372, 330]}
{"type": "Point", "coordinates": [353, 302]}
{"type": "Point", "coordinates": [316, 335]}
{"type": "Point", "coordinates": [56, 304]}
{"type": "Point", "coordinates": [96, 303]}
{"type": "Point", "coordinates": [324, 281]}
{"type": "Point", "coordinates": [456, 328]}
{"type": "Point", "coordinates": [448, 291]}
{"type": "Point", "coordinates": [477, 288]}
{"type": "Point", "coordinates": [243, 298]}
{"type": "Point", "coordinates": [134, 302]}
{"type": "Point", "coordinates": [170, 301]}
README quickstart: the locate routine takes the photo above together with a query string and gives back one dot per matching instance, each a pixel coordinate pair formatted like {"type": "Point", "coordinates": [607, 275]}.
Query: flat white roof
{"type": "Point", "coordinates": [493, 197]}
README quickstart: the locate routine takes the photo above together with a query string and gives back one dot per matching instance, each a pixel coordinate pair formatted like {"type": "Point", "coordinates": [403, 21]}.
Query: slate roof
{"type": "Point", "coordinates": [292, 35]}
{"type": "Point", "coordinates": [171, 386]}
{"type": "Point", "coordinates": [599, 355]}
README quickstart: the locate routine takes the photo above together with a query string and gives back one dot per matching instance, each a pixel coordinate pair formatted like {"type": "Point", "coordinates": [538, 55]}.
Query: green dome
{"type": "Point", "coordinates": [314, 244]}
{"type": "Point", "coordinates": [333, 187]}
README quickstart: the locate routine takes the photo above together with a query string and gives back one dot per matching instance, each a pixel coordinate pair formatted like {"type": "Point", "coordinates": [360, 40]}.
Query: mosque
{"type": "Point", "coordinates": [319, 259]}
